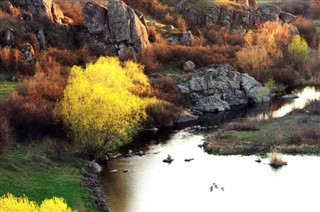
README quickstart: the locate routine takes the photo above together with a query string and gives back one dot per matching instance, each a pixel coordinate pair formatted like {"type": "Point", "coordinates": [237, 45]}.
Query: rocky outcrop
{"type": "Point", "coordinates": [244, 13]}
{"type": "Point", "coordinates": [41, 8]}
{"type": "Point", "coordinates": [115, 28]}
{"type": "Point", "coordinates": [217, 87]}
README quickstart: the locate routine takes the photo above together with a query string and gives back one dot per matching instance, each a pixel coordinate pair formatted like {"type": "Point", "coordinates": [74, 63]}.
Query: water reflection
{"type": "Point", "coordinates": [151, 185]}
{"type": "Point", "coordinates": [281, 107]}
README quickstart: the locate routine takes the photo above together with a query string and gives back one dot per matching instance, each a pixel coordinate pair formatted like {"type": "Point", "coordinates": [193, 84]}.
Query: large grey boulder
{"type": "Point", "coordinates": [242, 14]}
{"type": "Point", "coordinates": [115, 28]}
{"type": "Point", "coordinates": [41, 8]}
{"type": "Point", "coordinates": [217, 87]}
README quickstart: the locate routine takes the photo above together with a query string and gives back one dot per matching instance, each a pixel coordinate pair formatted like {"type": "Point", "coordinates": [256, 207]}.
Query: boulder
{"type": "Point", "coordinates": [41, 8]}
{"type": "Point", "coordinates": [217, 87]}
{"type": "Point", "coordinates": [189, 66]}
{"type": "Point", "coordinates": [185, 116]}
{"type": "Point", "coordinates": [8, 37]}
{"type": "Point", "coordinates": [27, 52]}
{"type": "Point", "coordinates": [254, 90]}
{"type": "Point", "coordinates": [187, 39]}
{"type": "Point", "coordinates": [115, 28]}
{"type": "Point", "coordinates": [41, 38]}
{"type": "Point", "coordinates": [93, 167]}
{"type": "Point", "coordinates": [243, 14]}
{"type": "Point", "coordinates": [8, 7]}
{"type": "Point", "coordinates": [287, 17]}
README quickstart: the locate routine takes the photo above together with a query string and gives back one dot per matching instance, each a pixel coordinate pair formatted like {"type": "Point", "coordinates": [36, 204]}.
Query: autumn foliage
{"type": "Point", "coordinates": [23, 204]}
{"type": "Point", "coordinates": [104, 103]}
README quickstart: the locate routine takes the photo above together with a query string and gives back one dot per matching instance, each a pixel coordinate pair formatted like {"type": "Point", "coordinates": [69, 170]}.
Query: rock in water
{"type": "Point", "coordinates": [115, 28]}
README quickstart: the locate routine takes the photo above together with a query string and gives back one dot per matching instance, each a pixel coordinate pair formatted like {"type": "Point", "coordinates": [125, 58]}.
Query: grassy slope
{"type": "Point", "coordinates": [273, 134]}
{"type": "Point", "coordinates": [6, 87]}
{"type": "Point", "coordinates": [29, 170]}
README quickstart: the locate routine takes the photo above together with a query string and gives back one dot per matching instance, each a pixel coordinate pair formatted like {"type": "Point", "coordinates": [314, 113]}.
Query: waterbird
{"type": "Point", "coordinates": [211, 188]}
{"type": "Point", "coordinates": [222, 189]}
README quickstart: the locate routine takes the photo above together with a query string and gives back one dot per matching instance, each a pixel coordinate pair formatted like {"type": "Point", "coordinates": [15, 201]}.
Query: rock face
{"type": "Point", "coordinates": [115, 27]}
{"type": "Point", "coordinates": [40, 8]}
{"type": "Point", "coordinates": [244, 13]}
{"type": "Point", "coordinates": [217, 87]}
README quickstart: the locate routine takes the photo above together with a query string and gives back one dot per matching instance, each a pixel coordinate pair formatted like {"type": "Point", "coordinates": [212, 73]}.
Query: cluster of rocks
{"type": "Point", "coordinates": [217, 87]}
{"type": "Point", "coordinates": [91, 181]}
{"type": "Point", "coordinates": [115, 28]}
{"type": "Point", "coordinates": [247, 13]}
{"type": "Point", "coordinates": [36, 9]}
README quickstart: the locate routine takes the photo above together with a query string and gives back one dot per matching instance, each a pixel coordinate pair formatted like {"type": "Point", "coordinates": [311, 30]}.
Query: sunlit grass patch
{"type": "Point", "coordinates": [7, 86]}
{"type": "Point", "coordinates": [29, 170]}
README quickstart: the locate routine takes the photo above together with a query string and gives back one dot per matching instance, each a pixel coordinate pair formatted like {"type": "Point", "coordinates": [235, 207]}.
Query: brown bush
{"type": "Point", "coordinates": [314, 9]}
{"type": "Point", "coordinates": [9, 59]}
{"type": "Point", "coordinates": [241, 125]}
{"type": "Point", "coordinates": [309, 135]}
{"type": "Point", "coordinates": [161, 113]}
{"type": "Point", "coordinates": [164, 87]}
{"type": "Point", "coordinates": [308, 31]}
{"type": "Point", "coordinates": [72, 9]}
{"type": "Point", "coordinates": [215, 34]}
{"type": "Point", "coordinates": [5, 128]}
{"type": "Point", "coordinates": [65, 57]}
{"type": "Point", "coordinates": [151, 7]}
{"type": "Point", "coordinates": [31, 110]}
{"type": "Point", "coordinates": [202, 56]}
{"type": "Point", "coordinates": [314, 107]}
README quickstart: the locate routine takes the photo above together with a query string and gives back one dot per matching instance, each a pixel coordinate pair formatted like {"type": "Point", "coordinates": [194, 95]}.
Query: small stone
{"type": "Point", "coordinates": [114, 171]}
{"type": "Point", "coordinates": [189, 66]}
{"type": "Point", "coordinates": [125, 171]}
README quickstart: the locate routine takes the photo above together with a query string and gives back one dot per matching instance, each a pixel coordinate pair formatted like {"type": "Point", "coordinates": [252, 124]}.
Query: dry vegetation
{"type": "Point", "coordinates": [276, 160]}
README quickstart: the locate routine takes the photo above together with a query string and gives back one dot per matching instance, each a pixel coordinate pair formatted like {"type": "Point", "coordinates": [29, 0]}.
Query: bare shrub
{"type": "Point", "coordinates": [164, 87]}
{"type": "Point", "coordinates": [215, 34]}
{"type": "Point", "coordinates": [308, 31]}
{"type": "Point", "coordinates": [56, 147]}
{"type": "Point", "coordinates": [308, 135]}
{"type": "Point", "coordinates": [276, 160]}
{"type": "Point", "coordinates": [71, 9]}
{"type": "Point", "coordinates": [161, 113]}
{"type": "Point", "coordinates": [9, 59]}
{"type": "Point", "coordinates": [241, 125]}
{"type": "Point", "coordinates": [5, 128]}
{"type": "Point", "coordinates": [314, 107]}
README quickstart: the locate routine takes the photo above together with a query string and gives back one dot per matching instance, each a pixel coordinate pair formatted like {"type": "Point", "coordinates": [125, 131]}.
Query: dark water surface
{"type": "Point", "coordinates": [151, 185]}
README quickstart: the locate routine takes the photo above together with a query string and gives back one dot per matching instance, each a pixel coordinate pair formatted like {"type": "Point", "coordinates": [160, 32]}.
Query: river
{"type": "Point", "coordinates": [209, 182]}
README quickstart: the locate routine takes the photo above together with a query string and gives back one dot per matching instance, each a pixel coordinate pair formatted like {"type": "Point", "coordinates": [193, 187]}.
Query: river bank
{"type": "Point", "coordinates": [295, 133]}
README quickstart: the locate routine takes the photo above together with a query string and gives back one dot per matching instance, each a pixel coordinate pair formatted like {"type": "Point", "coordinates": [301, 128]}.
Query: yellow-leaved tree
{"type": "Point", "coordinates": [23, 204]}
{"type": "Point", "coordinates": [104, 103]}
{"type": "Point", "coordinates": [299, 47]}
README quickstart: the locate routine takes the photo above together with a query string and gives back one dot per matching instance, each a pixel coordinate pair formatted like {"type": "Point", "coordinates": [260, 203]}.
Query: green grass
{"type": "Point", "coordinates": [168, 69]}
{"type": "Point", "coordinates": [6, 86]}
{"type": "Point", "coordinates": [277, 133]}
{"type": "Point", "coordinates": [28, 170]}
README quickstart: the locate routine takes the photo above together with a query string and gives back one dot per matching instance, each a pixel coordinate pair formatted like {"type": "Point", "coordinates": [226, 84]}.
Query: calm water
{"type": "Point", "coordinates": [151, 185]}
